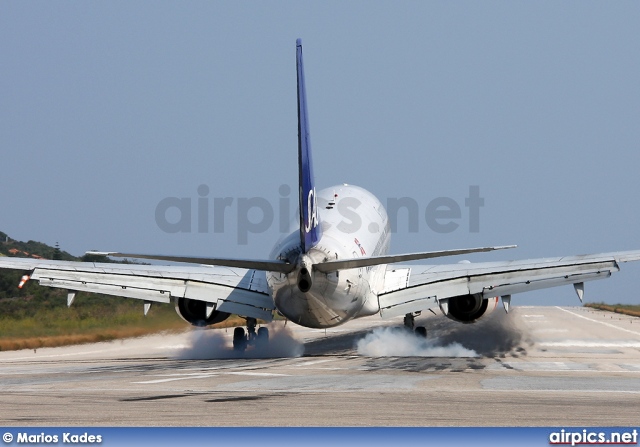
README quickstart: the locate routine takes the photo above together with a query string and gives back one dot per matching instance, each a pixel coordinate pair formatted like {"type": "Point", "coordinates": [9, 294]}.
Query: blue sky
{"type": "Point", "coordinates": [106, 108]}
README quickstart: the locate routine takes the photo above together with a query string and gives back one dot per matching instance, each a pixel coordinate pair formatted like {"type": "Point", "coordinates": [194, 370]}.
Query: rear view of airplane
{"type": "Point", "coordinates": [324, 273]}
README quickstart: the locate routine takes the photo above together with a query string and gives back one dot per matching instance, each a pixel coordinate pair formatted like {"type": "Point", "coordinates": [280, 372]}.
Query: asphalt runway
{"type": "Point", "coordinates": [537, 366]}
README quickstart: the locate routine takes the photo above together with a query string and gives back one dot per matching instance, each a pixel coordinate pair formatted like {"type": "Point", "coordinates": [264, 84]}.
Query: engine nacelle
{"type": "Point", "coordinates": [470, 308]}
{"type": "Point", "coordinates": [195, 312]}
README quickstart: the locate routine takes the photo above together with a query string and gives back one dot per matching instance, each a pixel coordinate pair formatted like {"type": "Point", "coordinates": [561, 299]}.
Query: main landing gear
{"type": "Point", "coordinates": [410, 324]}
{"type": "Point", "coordinates": [242, 338]}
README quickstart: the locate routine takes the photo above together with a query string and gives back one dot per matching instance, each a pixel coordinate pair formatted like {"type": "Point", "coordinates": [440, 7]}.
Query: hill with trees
{"type": "Point", "coordinates": [36, 316]}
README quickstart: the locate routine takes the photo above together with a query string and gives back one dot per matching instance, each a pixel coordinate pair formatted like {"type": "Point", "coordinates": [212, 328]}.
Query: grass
{"type": "Point", "coordinates": [49, 330]}
{"type": "Point", "coordinates": [34, 333]}
{"type": "Point", "coordinates": [35, 316]}
{"type": "Point", "coordinates": [27, 323]}
{"type": "Point", "coordinates": [62, 327]}
{"type": "Point", "coordinates": [34, 322]}
{"type": "Point", "coordinates": [626, 309]}
{"type": "Point", "coordinates": [43, 319]}
{"type": "Point", "coordinates": [12, 344]}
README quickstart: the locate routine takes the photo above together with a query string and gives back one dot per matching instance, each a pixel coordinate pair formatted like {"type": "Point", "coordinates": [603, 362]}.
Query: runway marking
{"type": "Point", "coordinates": [631, 367]}
{"type": "Point", "coordinates": [240, 363]}
{"type": "Point", "coordinates": [314, 362]}
{"type": "Point", "coordinates": [327, 383]}
{"type": "Point", "coordinates": [534, 316]}
{"type": "Point", "coordinates": [329, 368]}
{"type": "Point", "coordinates": [493, 390]}
{"type": "Point", "coordinates": [173, 379]}
{"type": "Point", "coordinates": [36, 356]}
{"type": "Point", "coordinates": [597, 321]}
{"type": "Point", "coordinates": [591, 344]}
{"type": "Point", "coordinates": [562, 384]}
{"type": "Point", "coordinates": [598, 371]}
{"type": "Point", "coordinates": [549, 331]}
{"type": "Point", "coordinates": [547, 366]}
{"type": "Point", "coordinates": [244, 373]}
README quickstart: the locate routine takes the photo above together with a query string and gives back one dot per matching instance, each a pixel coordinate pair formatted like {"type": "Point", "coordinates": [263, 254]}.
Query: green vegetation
{"type": "Point", "coordinates": [31, 249]}
{"type": "Point", "coordinates": [36, 316]}
{"type": "Point", "coordinates": [626, 309]}
{"type": "Point", "coordinates": [31, 322]}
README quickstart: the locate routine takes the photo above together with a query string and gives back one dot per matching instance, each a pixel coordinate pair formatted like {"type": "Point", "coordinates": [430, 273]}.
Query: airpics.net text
{"type": "Point", "coordinates": [254, 215]}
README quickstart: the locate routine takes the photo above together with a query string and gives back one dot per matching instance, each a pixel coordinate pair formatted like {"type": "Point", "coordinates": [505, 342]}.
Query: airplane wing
{"type": "Point", "coordinates": [225, 289]}
{"type": "Point", "coordinates": [421, 287]}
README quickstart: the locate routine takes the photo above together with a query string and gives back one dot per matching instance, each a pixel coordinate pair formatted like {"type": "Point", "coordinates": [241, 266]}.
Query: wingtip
{"type": "Point", "coordinates": [298, 42]}
{"type": "Point", "coordinates": [99, 253]}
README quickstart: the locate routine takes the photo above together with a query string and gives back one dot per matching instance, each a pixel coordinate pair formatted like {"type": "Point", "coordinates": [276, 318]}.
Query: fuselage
{"type": "Point", "coordinates": [354, 224]}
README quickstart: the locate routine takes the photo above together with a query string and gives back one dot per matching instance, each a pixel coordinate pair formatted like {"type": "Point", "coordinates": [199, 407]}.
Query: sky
{"type": "Point", "coordinates": [109, 108]}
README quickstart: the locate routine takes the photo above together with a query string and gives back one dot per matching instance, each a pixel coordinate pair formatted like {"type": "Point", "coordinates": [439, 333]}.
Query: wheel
{"type": "Point", "coordinates": [251, 329]}
{"type": "Point", "coordinates": [239, 339]}
{"type": "Point", "coordinates": [263, 334]}
{"type": "Point", "coordinates": [262, 339]}
{"type": "Point", "coordinates": [421, 331]}
{"type": "Point", "coordinates": [409, 321]}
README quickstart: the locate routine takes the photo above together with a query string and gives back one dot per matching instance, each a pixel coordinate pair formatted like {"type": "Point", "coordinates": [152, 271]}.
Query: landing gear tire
{"type": "Point", "coordinates": [239, 339]}
{"type": "Point", "coordinates": [243, 339]}
{"type": "Point", "coordinates": [409, 321]}
{"type": "Point", "coordinates": [251, 329]}
{"type": "Point", "coordinates": [263, 334]}
{"type": "Point", "coordinates": [421, 332]}
{"type": "Point", "coordinates": [262, 339]}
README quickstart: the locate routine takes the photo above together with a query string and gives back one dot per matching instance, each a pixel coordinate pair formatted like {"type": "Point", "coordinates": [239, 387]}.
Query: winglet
{"type": "Point", "coordinates": [309, 224]}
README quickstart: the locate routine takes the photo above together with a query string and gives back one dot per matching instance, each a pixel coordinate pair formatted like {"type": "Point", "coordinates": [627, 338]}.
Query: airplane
{"type": "Point", "coordinates": [326, 272]}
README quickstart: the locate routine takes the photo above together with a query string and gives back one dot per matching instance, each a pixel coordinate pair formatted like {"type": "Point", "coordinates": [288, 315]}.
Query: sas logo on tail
{"type": "Point", "coordinates": [312, 211]}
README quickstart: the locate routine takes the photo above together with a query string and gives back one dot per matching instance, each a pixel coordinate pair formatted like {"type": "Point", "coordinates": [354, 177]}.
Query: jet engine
{"type": "Point", "coordinates": [470, 308]}
{"type": "Point", "coordinates": [195, 312]}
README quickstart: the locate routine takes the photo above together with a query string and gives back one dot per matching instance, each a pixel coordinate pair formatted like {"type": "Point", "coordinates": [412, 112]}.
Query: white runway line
{"type": "Point", "coordinates": [590, 344]}
{"type": "Point", "coordinates": [547, 366]}
{"type": "Point", "coordinates": [549, 331]}
{"type": "Point", "coordinates": [173, 379]}
{"type": "Point", "coordinates": [599, 322]}
{"type": "Point", "coordinates": [36, 356]}
{"type": "Point", "coordinates": [244, 373]}
{"type": "Point", "coordinates": [314, 362]}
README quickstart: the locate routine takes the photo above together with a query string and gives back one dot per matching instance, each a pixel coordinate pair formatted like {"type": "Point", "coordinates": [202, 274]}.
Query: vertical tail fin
{"type": "Point", "coordinates": [309, 224]}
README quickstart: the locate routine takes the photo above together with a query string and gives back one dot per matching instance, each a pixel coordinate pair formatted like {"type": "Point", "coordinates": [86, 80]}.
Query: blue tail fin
{"type": "Point", "coordinates": [309, 224]}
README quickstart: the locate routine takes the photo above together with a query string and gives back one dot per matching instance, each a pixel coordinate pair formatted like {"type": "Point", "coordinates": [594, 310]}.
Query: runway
{"type": "Point", "coordinates": [537, 366]}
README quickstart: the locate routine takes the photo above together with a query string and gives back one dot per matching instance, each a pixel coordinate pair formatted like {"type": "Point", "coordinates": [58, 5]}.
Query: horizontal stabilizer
{"type": "Point", "coordinates": [266, 265]}
{"type": "Point", "coordinates": [354, 263]}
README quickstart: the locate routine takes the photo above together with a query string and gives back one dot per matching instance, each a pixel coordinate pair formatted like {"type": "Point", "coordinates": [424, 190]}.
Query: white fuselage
{"type": "Point", "coordinates": [354, 224]}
